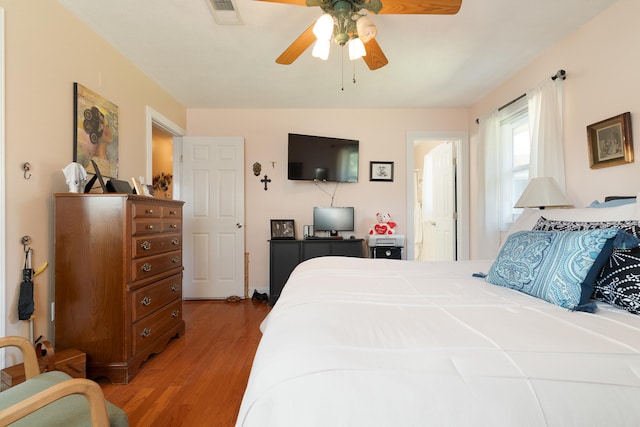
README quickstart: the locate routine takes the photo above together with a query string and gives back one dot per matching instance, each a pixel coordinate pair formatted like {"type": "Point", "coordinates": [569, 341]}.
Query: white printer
{"type": "Point", "coordinates": [385, 240]}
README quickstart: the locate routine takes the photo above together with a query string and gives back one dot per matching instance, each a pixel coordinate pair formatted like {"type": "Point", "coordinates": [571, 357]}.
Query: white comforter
{"type": "Point", "coordinates": [363, 342]}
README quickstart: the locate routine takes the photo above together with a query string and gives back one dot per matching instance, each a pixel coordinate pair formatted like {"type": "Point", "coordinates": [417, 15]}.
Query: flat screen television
{"type": "Point", "coordinates": [333, 219]}
{"type": "Point", "coordinates": [321, 158]}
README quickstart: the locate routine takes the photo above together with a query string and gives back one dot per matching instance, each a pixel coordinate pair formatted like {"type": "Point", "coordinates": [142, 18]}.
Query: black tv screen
{"type": "Point", "coordinates": [333, 219]}
{"type": "Point", "coordinates": [321, 158]}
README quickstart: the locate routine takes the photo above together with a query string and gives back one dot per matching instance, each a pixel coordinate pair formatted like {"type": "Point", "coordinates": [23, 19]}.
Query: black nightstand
{"type": "Point", "coordinates": [389, 252]}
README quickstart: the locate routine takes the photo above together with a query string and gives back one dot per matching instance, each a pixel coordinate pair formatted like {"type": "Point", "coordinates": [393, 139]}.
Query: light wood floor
{"type": "Point", "coordinates": [199, 378]}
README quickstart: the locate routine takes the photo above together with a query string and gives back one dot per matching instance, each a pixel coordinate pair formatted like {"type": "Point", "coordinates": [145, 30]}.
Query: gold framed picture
{"type": "Point", "coordinates": [96, 134]}
{"type": "Point", "coordinates": [610, 142]}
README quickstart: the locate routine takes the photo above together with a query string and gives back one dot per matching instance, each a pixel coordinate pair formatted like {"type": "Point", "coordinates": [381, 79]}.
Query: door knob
{"type": "Point", "coordinates": [238, 225]}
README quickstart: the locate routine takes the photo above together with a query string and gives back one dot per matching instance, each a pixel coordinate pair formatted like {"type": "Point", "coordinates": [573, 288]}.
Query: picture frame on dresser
{"type": "Point", "coordinates": [283, 229]}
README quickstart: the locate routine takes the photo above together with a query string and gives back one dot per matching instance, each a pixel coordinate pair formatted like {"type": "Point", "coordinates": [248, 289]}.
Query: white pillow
{"type": "Point", "coordinates": [529, 217]}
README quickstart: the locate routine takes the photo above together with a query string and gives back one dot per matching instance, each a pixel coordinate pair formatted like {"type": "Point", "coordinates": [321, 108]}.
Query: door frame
{"type": "Point", "coordinates": [153, 118]}
{"type": "Point", "coordinates": [3, 202]}
{"type": "Point", "coordinates": [462, 188]}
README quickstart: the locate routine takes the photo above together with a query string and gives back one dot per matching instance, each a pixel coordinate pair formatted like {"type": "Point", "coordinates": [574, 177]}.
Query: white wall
{"type": "Point", "coordinates": [47, 50]}
{"type": "Point", "coordinates": [602, 62]}
{"type": "Point", "coordinates": [382, 135]}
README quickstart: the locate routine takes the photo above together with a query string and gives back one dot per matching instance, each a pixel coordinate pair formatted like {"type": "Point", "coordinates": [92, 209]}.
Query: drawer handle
{"type": "Point", "coordinates": [149, 227]}
{"type": "Point", "coordinates": [173, 212]}
{"type": "Point", "coordinates": [174, 226]}
{"type": "Point", "coordinates": [175, 259]}
{"type": "Point", "coordinates": [149, 211]}
{"type": "Point", "coordinates": [146, 267]}
{"type": "Point", "coordinates": [175, 287]}
{"type": "Point", "coordinates": [146, 301]}
{"type": "Point", "coordinates": [145, 245]}
{"type": "Point", "coordinates": [175, 313]}
{"type": "Point", "coordinates": [175, 241]}
{"type": "Point", "coordinates": [145, 332]}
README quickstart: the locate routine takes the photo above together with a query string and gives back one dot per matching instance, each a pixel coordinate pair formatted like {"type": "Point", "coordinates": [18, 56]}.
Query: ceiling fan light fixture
{"type": "Point", "coordinates": [323, 29]}
{"type": "Point", "coordinates": [321, 49]}
{"type": "Point", "coordinates": [356, 49]}
{"type": "Point", "coordinates": [366, 28]}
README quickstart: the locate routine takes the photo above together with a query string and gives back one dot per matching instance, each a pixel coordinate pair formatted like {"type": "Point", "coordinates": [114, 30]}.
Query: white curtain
{"type": "Point", "coordinates": [545, 130]}
{"type": "Point", "coordinates": [488, 218]}
{"type": "Point", "coordinates": [544, 105]}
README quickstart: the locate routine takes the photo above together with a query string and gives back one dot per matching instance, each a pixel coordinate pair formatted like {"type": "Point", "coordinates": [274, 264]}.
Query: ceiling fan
{"type": "Point", "coordinates": [347, 22]}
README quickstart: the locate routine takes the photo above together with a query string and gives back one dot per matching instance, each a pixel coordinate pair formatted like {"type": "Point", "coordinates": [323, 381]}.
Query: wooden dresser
{"type": "Point", "coordinates": [118, 279]}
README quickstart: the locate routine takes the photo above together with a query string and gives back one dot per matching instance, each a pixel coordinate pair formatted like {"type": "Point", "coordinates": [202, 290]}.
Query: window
{"type": "Point", "coordinates": [514, 162]}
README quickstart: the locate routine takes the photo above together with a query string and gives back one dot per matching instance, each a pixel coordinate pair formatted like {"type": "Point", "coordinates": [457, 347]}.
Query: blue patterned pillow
{"type": "Point", "coordinates": [549, 265]}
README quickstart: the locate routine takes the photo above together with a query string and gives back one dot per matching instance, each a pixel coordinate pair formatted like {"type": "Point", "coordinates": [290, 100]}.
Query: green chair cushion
{"type": "Point", "coordinates": [70, 411]}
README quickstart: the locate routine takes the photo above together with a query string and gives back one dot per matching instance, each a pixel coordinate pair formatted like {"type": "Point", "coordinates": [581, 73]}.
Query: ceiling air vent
{"type": "Point", "coordinates": [224, 12]}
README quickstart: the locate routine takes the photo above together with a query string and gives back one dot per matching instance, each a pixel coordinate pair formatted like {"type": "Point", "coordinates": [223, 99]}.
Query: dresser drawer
{"type": "Point", "coordinates": [150, 298]}
{"type": "Point", "coordinates": [150, 266]}
{"type": "Point", "coordinates": [143, 210]}
{"type": "Point", "coordinates": [152, 245]}
{"type": "Point", "coordinates": [169, 226]}
{"type": "Point", "coordinates": [146, 330]}
{"type": "Point", "coordinates": [146, 226]}
{"type": "Point", "coordinates": [171, 212]}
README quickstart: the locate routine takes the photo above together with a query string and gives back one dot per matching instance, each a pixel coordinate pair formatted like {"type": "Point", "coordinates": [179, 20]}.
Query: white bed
{"type": "Point", "coordinates": [371, 342]}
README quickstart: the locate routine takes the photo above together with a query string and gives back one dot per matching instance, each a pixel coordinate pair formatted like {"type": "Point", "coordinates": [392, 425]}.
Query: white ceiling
{"type": "Point", "coordinates": [434, 60]}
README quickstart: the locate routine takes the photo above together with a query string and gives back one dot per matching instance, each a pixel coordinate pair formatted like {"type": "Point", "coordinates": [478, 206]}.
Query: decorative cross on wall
{"type": "Point", "coordinates": [266, 180]}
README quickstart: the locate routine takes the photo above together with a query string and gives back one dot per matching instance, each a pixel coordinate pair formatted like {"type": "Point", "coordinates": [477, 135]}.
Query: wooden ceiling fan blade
{"type": "Point", "coordinates": [420, 7]}
{"type": "Point", "coordinates": [298, 46]}
{"type": "Point", "coordinates": [293, 2]}
{"type": "Point", "coordinates": [375, 57]}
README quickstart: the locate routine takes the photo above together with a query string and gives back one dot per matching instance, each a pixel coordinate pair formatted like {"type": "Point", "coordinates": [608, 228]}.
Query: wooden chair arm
{"type": "Point", "coordinates": [31, 368]}
{"type": "Point", "coordinates": [87, 388]}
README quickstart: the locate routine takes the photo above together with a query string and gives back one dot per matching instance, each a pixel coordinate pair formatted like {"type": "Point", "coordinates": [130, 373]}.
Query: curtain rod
{"type": "Point", "coordinates": [561, 74]}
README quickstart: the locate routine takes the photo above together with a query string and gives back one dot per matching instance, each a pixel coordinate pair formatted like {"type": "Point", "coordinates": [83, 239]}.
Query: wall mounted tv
{"type": "Point", "coordinates": [321, 158]}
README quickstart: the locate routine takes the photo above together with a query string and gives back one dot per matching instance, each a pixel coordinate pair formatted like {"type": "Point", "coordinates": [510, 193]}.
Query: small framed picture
{"type": "Point", "coordinates": [137, 187]}
{"type": "Point", "coordinates": [381, 171]}
{"type": "Point", "coordinates": [282, 229]}
{"type": "Point", "coordinates": [147, 190]}
{"type": "Point", "coordinates": [610, 142]}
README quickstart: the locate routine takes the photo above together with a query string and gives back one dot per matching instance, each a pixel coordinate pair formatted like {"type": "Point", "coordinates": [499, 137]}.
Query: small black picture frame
{"type": "Point", "coordinates": [283, 229]}
{"type": "Point", "coordinates": [381, 171]}
{"type": "Point", "coordinates": [98, 175]}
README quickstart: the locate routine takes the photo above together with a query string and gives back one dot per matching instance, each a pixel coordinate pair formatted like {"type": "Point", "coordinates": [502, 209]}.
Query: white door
{"type": "Point", "coordinates": [213, 192]}
{"type": "Point", "coordinates": [444, 201]}
{"type": "Point", "coordinates": [438, 205]}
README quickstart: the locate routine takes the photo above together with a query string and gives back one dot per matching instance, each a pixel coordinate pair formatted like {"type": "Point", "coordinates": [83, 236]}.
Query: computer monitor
{"type": "Point", "coordinates": [333, 219]}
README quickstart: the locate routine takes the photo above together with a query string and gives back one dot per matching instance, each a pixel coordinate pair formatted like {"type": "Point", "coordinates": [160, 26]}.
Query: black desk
{"type": "Point", "coordinates": [285, 255]}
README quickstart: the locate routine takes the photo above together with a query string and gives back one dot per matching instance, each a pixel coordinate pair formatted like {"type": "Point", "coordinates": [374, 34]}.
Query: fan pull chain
{"type": "Point", "coordinates": [354, 72]}
{"type": "Point", "coordinates": [342, 69]}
